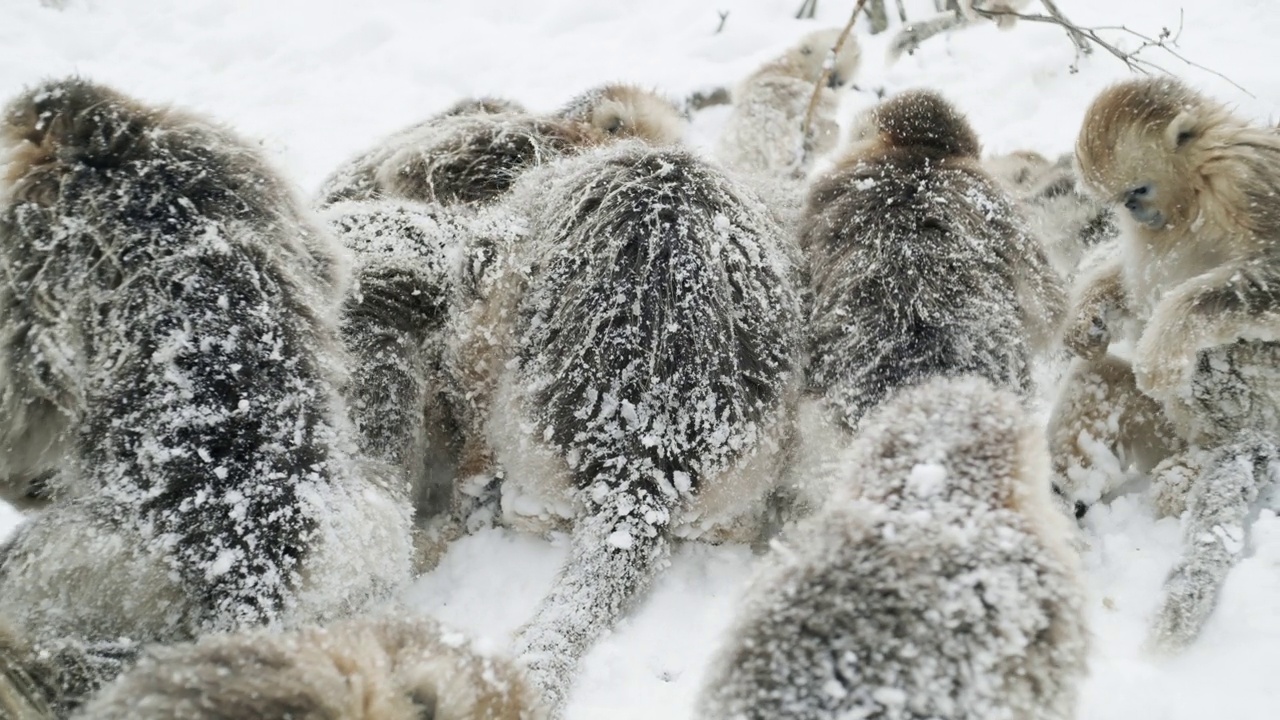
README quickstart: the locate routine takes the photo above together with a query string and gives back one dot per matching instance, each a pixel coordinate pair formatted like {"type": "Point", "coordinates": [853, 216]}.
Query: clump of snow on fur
{"type": "Point", "coordinates": [654, 348]}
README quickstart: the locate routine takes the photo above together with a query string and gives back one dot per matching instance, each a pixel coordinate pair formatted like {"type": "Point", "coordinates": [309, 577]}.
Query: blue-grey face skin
{"type": "Point", "coordinates": [1140, 202]}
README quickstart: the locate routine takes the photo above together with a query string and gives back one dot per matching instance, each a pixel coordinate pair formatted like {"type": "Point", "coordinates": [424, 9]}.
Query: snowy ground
{"type": "Point", "coordinates": [317, 80]}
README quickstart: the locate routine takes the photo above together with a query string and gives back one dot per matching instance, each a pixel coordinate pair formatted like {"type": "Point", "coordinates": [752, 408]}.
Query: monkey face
{"type": "Point", "coordinates": [628, 112]}
{"type": "Point", "coordinates": [1141, 147]}
{"type": "Point", "coordinates": [1139, 176]}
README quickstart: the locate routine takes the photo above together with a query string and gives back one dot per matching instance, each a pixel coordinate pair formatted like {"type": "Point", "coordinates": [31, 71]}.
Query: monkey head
{"type": "Point", "coordinates": [812, 51]}
{"type": "Point", "coordinates": [920, 119]}
{"type": "Point", "coordinates": [618, 111]}
{"type": "Point", "coordinates": [1151, 145]}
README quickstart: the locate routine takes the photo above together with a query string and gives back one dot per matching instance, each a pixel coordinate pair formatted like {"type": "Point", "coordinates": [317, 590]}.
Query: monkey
{"type": "Point", "coordinates": [765, 132]}
{"type": "Point", "coordinates": [483, 105]}
{"type": "Point", "coordinates": [632, 362]}
{"type": "Point", "coordinates": [169, 292]}
{"type": "Point", "coordinates": [474, 157]}
{"type": "Point", "coordinates": [918, 266]}
{"type": "Point", "coordinates": [391, 324]}
{"type": "Point", "coordinates": [1189, 285]}
{"type": "Point", "coordinates": [617, 110]}
{"type": "Point", "coordinates": [1066, 219]}
{"type": "Point", "coordinates": [938, 580]}
{"type": "Point", "coordinates": [454, 159]}
{"type": "Point", "coordinates": [966, 14]}
{"type": "Point", "coordinates": [1019, 170]}
{"type": "Point", "coordinates": [369, 668]}
{"type": "Point", "coordinates": [395, 320]}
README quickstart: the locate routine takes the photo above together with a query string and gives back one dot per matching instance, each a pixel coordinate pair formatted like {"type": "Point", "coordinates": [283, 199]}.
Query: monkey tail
{"type": "Point", "coordinates": [612, 559]}
{"type": "Point", "coordinates": [657, 341]}
{"type": "Point", "coordinates": [1221, 509]}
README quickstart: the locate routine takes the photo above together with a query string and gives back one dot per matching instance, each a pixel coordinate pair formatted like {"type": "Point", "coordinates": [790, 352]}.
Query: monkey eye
{"type": "Point", "coordinates": [1184, 137]}
{"type": "Point", "coordinates": [614, 126]}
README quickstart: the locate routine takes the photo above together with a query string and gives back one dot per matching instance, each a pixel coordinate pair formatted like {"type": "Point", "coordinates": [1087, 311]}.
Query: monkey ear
{"type": "Point", "coordinates": [1180, 131]}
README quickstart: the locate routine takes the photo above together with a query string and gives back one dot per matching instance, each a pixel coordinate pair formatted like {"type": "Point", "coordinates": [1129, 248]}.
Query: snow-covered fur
{"type": "Point", "coordinates": [918, 264]}
{"type": "Point", "coordinates": [1101, 426]}
{"type": "Point", "coordinates": [392, 324]}
{"type": "Point", "coordinates": [765, 130]}
{"type": "Point", "coordinates": [1221, 499]}
{"type": "Point", "coordinates": [474, 152]}
{"type": "Point", "coordinates": [1059, 212]}
{"type": "Point", "coordinates": [377, 668]}
{"type": "Point", "coordinates": [937, 582]}
{"type": "Point", "coordinates": [483, 105]}
{"type": "Point", "coordinates": [455, 158]}
{"type": "Point", "coordinates": [171, 296]}
{"type": "Point", "coordinates": [626, 111]}
{"type": "Point", "coordinates": [408, 261]}
{"type": "Point", "coordinates": [642, 344]}
{"type": "Point", "coordinates": [1192, 284]}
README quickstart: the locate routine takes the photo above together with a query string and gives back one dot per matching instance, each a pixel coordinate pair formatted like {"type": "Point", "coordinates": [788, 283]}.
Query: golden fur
{"type": "Point", "coordinates": [918, 123]}
{"type": "Point", "coordinates": [1017, 170]}
{"type": "Point", "coordinates": [765, 134]}
{"type": "Point", "coordinates": [366, 669]}
{"type": "Point", "coordinates": [1194, 284]}
{"type": "Point", "coordinates": [1199, 251]}
{"type": "Point", "coordinates": [804, 61]}
{"type": "Point", "coordinates": [618, 111]}
{"type": "Point", "coordinates": [916, 120]}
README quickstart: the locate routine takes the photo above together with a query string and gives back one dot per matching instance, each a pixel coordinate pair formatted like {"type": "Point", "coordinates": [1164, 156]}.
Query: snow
{"type": "Point", "coordinates": [320, 80]}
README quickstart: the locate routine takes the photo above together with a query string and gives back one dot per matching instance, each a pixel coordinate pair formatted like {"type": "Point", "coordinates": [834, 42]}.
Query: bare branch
{"type": "Point", "coordinates": [1167, 41]}
{"type": "Point", "coordinates": [878, 16]}
{"type": "Point", "coordinates": [724, 15]}
{"type": "Point", "coordinates": [807, 9]}
{"type": "Point", "coordinates": [1082, 44]}
{"type": "Point", "coordinates": [902, 11]}
{"type": "Point", "coordinates": [828, 66]}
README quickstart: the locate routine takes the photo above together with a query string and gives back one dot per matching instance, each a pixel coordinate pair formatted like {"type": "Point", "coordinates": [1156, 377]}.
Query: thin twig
{"type": "Point", "coordinates": [1082, 44]}
{"type": "Point", "coordinates": [807, 9]}
{"type": "Point", "coordinates": [1166, 40]}
{"type": "Point", "coordinates": [827, 67]}
{"type": "Point", "coordinates": [724, 15]}
{"type": "Point", "coordinates": [902, 12]}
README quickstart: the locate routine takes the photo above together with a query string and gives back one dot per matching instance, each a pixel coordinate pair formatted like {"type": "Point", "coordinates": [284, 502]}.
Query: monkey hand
{"type": "Point", "coordinates": [1164, 360]}
{"type": "Point", "coordinates": [1087, 334]}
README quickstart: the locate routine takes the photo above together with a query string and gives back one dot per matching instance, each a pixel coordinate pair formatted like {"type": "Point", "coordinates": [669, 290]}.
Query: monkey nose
{"type": "Point", "coordinates": [1135, 198]}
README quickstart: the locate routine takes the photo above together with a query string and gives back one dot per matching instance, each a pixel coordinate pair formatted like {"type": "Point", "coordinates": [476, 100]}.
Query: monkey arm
{"type": "Point", "coordinates": [1230, 303]}
{"type": "Point", "coordinates": [1097, 300]}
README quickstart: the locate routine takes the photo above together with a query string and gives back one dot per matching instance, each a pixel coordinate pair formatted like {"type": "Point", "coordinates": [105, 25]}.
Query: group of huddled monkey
{"type": "Point", "coordinates": [242, 423]}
